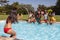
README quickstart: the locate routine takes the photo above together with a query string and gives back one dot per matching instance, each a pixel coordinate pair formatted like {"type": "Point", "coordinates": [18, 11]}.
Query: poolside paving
{"type": "Point", "coordinates": [7, 38]}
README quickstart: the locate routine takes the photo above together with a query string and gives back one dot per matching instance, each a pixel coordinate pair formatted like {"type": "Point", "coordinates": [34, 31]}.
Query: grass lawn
{"type": "Point", "coordinates": [25, 17]}
{"type": "Point", "coordinates": [3, 17]}
{"type": "Point", "coordinates": [57, 18]}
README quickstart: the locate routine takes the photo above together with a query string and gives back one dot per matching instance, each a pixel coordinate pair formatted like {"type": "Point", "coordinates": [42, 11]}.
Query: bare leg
{"type": "Point", "coordinates": [12, 33]}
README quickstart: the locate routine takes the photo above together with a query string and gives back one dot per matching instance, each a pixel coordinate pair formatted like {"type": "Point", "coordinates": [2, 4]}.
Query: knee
{"type": "Point", "coordinates": [14, 34]}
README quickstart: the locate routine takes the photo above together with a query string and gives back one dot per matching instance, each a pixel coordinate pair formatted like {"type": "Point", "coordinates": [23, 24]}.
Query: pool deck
{"type": "Point", "coordinates": [5, 38]}
{"type": "Point", "coordinates": [21, 20]}
{"type": "Point", "coordinates": [8, 38]}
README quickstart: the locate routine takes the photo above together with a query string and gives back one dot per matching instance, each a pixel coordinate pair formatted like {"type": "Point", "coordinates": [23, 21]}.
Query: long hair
{"type": "Point", "coordinates": [12, 17]}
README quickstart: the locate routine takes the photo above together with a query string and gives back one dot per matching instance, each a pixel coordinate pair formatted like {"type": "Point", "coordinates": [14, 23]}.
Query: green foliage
{"type": "Point", "coordinates": [50, 10]}
{"type": "Point", "coordinates": [57, 7]}
{"type": "Point", "coordinates": [25, 17]}
{"type": "Point", "coordinates": [15, 4]}
{"type": "Point", "coordinates": [25, 8]}
{"type": "Point", "coordinates": [58, 3]}
{"type": "Point", "coordinates": [42, 7]}
{"type": "Point", "coordinates": [21, 8]}
{"type": "Point", "coordinates": [22, 11]}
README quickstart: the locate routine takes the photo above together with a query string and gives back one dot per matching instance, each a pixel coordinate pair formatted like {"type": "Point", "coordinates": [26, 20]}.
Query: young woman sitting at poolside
{"type": "Point", "coordinates": [38, 16]}
{"type": "Point", "coordinates": [52, 18]}
{"type": "Point", "coordinates": [20, 16]}
{"type": "Point", "coordinates": [31, 17]}
{"type": "Point", "coordinates": [12, 18]}
{"type": "Point", "coordinates": [46, 17]}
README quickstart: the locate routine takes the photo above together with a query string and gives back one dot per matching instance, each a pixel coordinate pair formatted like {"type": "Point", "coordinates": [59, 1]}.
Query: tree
{"type": "Point", "coordinates": [57, 7]}
{"type": "Point", "coordinates": [28, 6]}
{"type": "Point", "coordinates": [25, 8]}
{"type": "Point", "coordinates": [42, 7]}
{"type": "Point", "coordinates": [2, 10]}
{"type": "Point", "coordinates": [16, 4]}
{"type": "Point", "coordinates": [58, 3]}
{"type": "Point", "coordinates": [22, 11]}
{"type": "Point", "coordinates": [8, 8]}
{"type": "Point", "coordinates": [21, 8]}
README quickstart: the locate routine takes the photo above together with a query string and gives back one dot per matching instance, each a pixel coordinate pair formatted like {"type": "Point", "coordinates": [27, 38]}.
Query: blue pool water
{"type": "Point", "coordinates": [31, 31]}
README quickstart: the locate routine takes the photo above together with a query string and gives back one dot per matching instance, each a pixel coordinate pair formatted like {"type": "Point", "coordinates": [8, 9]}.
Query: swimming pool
{"type": "Point", "coordinates": [31, 31]}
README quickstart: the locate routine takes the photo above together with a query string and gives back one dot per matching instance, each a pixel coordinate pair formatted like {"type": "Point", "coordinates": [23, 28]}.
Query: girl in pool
{"type": "Point", "coordinates": [46, 17]}
{"type": "Point", "coordinates": [12, 18]}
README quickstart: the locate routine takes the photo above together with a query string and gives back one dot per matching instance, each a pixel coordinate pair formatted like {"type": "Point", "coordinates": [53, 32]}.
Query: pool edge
{"type": "Point", "coordinates": [19, 20]}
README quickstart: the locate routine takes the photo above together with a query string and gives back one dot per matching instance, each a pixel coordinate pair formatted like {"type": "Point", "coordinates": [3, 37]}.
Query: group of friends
{"type": "Point", "coordinates": [48, 17]}
{"type": "Point", "coordinates": [33, 17]}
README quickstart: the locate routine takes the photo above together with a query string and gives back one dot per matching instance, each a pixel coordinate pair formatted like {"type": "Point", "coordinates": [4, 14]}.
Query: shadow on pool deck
{"type": "Point", "coordinates": [7, 38]}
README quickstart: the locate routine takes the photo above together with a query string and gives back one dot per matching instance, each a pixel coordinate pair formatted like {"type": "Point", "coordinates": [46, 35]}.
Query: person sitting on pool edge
{"type": "Point", "coordinates": [52, 18]}
{"type": "Point", "coordinates": [38, 16]}
{"type": "Point", "coordinates": [30, 16]}
{"type": "Point", "coordinates": [46, 16]}
{"type": "Point", "coordinates": [12, 18]}
{"type": "Point", "coordinates": [33, 19]}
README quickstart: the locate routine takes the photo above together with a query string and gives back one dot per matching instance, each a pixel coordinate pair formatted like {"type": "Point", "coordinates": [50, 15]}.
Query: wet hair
{"type": "Point", "coordinates": [12, 17]}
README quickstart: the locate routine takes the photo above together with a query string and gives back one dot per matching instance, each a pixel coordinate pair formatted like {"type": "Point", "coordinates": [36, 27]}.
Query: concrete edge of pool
{"type": "Point", "coordinates": [20, 20]}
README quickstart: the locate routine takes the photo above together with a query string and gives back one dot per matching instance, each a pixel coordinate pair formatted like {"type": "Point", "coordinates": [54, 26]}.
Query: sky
{"type": "Point", "coordinates": [35, 3]}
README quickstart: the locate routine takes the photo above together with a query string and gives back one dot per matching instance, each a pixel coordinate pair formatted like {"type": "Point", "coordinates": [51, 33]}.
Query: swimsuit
{"type": "Point", "coordinates": [52, 19]}
{"type": "Point", "coordinates": [6, 29]}
{"type": "Point", "coordinates": [45, 17]}
{"type": "Point", "coordinates": [46, 20]}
